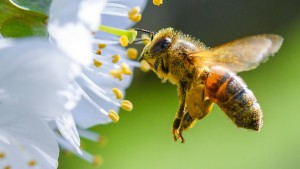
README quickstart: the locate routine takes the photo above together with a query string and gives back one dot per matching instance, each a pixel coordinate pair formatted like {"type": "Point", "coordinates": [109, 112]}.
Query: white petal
{"type": "Point", "coordinates": [28, 138]}
{"type": "Point", "coordinates": [67, 128]}
{"type": "Point", "coordinates": [33, 75]}
{"type": "Point", "coordinates": [71, 25]}
{"type": "Point", "coordinates": [120, 21]}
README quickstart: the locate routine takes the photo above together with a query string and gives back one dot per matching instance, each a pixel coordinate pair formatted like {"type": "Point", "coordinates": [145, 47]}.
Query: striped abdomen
{"type": "Point", "coordinates": [232, 95]}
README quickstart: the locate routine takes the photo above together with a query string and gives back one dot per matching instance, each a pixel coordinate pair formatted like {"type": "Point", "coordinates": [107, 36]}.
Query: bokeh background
{"type": "Point", "coordinates": [142, 139]}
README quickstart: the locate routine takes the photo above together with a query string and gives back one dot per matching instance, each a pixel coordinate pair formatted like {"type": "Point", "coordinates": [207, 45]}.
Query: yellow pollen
{"type": "Point", "coordinates": [67, 153]}
{"type": "Point", "coordinates": [146, 38]}
{"type": "Point", "coordinates": [7, 167]}
{"type": "Point", "coordinates": [133, 11]}
{"type": "Point", "coordinates": [31, 163]}
{"type": "Point", "coordinates": [101, 45]}
{"type": "Point", "coordinates": [97, 63]}
{"type": "Point", "coordinates": [102, 140]}
{"type": "Point", "coordinates": [132, 53]}
{"type": "Point", "coordinates": [157, 2]}
{"type": "Point", "coordinates": [98, 52]}
{"type": "Point", "coordinates": [125, 69]}
{"type": "Point", "coordinates": [144, 66]}
{"type": "Point", "coordinates": [2, 155]}
{"type": "Point", "coordinates": [98, 160]}
{"type": "Point", "coordinates": [116, 74]}
{"type": "Point", "coordinates": [136, 18]}
{"type": "Point", "coordinates": [126, 105]}
{"type": "Point", "coordinates": [123, 41]}
{"type": "Point", "coordinates": [117, 93]}
{"type": "Point", "coordinates": [116, 58]}
{"type": "Point", "coordinates": [113, 116]}
{"type": "Point", "coordinates": [134, 14]}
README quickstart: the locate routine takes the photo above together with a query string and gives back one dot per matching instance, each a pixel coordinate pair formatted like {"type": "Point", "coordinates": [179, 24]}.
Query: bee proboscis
{"type": "Point", "coordinates": [208, 75]}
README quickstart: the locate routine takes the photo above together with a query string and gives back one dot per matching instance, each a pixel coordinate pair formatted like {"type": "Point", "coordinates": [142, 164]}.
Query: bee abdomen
{"type": "Point", "coordinates": [234, 98]}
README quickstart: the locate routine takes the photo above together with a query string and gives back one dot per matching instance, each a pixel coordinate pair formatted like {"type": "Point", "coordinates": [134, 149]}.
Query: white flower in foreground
{"type": "Point", "coordinates": [30, 90]}
{"type": "Point", "coordinates": [103, 83]}
{"type": "Point", "coordinates": [41, 82]}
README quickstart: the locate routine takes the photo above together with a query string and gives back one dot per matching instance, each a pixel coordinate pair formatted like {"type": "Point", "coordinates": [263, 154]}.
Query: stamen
{"type": "Point", "coordinates": [98, 52]}
{"type": "Point", "coordinates": [126, 105]}
{"type": "Point", "coordinates": [113, 116]}
{"type": "Point", "coordinates": [2, 155]}
{"type": "Point", "coordinates": [132, 53]}
{"type": "Point", "coordinates": [116, 74]}
{"type": "Point", "coordinates": [124, 41]}
{"type": "Point", "coordinates": [98, 160]}
{"type": "Point", "coordinates": [136, 18]}
{"type": "Point", "coordinates": [144, 66]}
{"type": "Point", "coordinates": [125, 69]}
{"type": "Point", "coordinates": [134, 14]}
{"type": "Point", "coordinates": [31, 163]}
{"type": "Point", "coordinates": [134, 11]}
{"type": "Point", "coordinates": [101, 45]}
{"type": "Point", "coordinates": [7, 167]}
{"type": "Point", "coordinates": [130, 34]}
{"type": "Point", "coordinates": [116, 58]}
{"type": "Point", "coordinates": [157, 2]}
{"type": "Point", "coordinates": [97, 63]}
{"type": "Point", "coordinates": [118, 93]}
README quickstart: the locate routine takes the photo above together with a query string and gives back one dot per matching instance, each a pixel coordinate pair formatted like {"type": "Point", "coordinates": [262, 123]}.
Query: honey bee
{"type": "Point", "coordinates": [208, 75]}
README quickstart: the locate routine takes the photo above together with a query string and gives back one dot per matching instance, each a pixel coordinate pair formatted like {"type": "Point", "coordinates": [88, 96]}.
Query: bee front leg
{"type": "Point", "coordinates": [181, 111]}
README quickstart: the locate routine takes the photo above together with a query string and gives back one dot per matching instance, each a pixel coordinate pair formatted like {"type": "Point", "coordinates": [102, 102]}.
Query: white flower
{"type": "Point", "coordinates": [44, 84]}
{"type": "Point", "coordinates": [30, 92]}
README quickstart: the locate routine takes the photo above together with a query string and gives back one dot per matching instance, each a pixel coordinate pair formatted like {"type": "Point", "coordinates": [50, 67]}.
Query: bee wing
{"type": "Point", "coordinates": [242, 54]}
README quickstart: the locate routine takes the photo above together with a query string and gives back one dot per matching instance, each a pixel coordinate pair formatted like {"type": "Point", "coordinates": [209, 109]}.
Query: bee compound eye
{"type": "Point", "coordinates": [161, 45]}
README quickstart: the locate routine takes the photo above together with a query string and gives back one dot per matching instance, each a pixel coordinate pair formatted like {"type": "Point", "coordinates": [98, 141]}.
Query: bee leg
{"type": "Point", "coordinates": [180, 112]}
{"type": "Point", "coordinates": [187, 122]}
{"type": "Point", "coordinates": [208, 105]}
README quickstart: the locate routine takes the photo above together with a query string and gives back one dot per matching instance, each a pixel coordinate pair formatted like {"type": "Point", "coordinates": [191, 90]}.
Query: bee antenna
{"type": "Point", "coordinates": [145, 31]}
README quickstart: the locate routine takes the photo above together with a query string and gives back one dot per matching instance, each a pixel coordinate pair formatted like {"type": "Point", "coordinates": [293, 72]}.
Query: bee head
{"type": "Point", "coordinates": [159, 45]}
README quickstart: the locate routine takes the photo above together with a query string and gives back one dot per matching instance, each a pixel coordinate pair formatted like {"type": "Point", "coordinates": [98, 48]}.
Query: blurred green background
{"type": "Point", "coordinates": [142, 139]}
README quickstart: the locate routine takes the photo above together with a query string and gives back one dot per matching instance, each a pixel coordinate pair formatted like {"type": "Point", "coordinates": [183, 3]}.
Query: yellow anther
{"type": "Point", "coordinates": [7, 167]}
{"type": "Point", "coordinates": [136, 18]}
{"type": "Point", "coordinates": [146, 38]}
{"type": "Point", "coordinates": [134, 11]}
{"type": "Point", "coordinates": [118, 93]}
{"type": "Point", "coordinates": [157, 2]}
{"type": "Point", "coordinates": [31, 163]}
{"type": "Point", "coordinates": [101, 45]}
{"type": "Point", "coordinates": [116, 74]}
{"type": "Point", "coordinates": [126, 105]}
{"type": "Point", "coordinates": [2, 155]}
{"type": "Point", "coordinates": [134, 14]}
{"type": "Point", "coordinates": [116, 58]}
{"type": "Point", "coordinates": [98, 160]}
{"type": "Point", "coordinates": [113, 116]}
{"type": "Point", "coordinates": [144, 66]}
{"type": "Point", "coordinates": [132, 53]}
{"type": "Point", "coordinates": [124, 41]}
{"type": "Point", "coordinates": [125, 69]}
{"type": "Point", "coordinates": [102, 140]}
{"type": "Point", "coordinates": [67, 153]}
{"type": "Point", "coordinates": [97, 63]}
{"type": "Point", "coordinates": [98, 52]}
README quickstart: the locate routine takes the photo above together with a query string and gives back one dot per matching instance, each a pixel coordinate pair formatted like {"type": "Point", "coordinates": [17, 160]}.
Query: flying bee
{"type": "Point", "coordinates": [208, 75]}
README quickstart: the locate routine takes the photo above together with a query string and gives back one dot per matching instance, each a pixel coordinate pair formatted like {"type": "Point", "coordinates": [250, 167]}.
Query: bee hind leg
{"type": "Point", "coordinates": [187, 122]}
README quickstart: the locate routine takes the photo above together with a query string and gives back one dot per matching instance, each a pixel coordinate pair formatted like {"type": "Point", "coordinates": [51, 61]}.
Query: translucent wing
{"type": "Point", "coordinates": [242, 54]}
